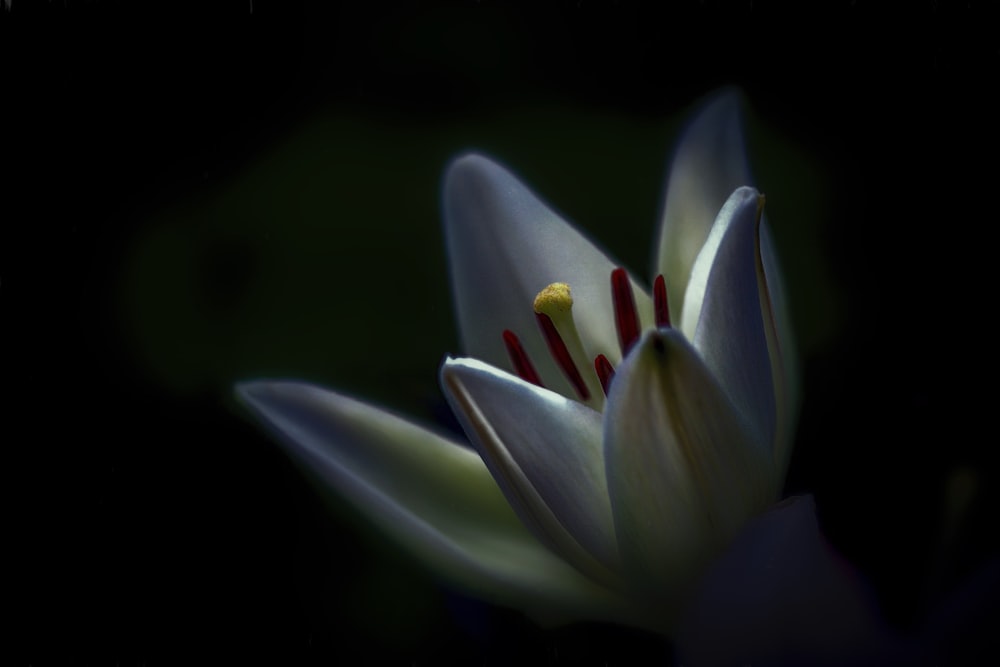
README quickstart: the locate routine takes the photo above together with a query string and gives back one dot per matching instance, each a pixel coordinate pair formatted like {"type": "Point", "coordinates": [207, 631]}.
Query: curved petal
{"type": "Point", "coordinates": [432, 495]}
{"type": "Point", "coordinates": [683, 473]}
{"type": "Point", "coordinates": [781, 596]}
{"type": "Point", "coordinates": [709, 163]}
{"type": "Point", "coordinates": [781, 347]}
{"type": "Point", "coordinates": [504, 246]}
{"type": "Point", "coordinates": [731, 330]}
{"type": "Point", "coordinates": [545, 452]}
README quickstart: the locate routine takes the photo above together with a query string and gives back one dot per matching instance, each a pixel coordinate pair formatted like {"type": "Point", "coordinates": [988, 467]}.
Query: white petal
{"type": "Point", "coordinates": [433, 495]}
{"type": "Point", "coordinates": [709, 163]}
{"type": "Point", "coordinates": [781, 596]}
{"type": "Point", "coordinates": [730, 330]}
{"type": "Point", "coordinates": [682, 472]}
{"type": "Point", "coordinates": [545, 452]}
{"type": "Point", "coordinates": [504, 246]}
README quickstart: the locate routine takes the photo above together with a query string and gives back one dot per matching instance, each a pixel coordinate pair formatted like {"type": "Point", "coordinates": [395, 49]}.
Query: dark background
{"type": "Point", "coordinates": [195, 196]}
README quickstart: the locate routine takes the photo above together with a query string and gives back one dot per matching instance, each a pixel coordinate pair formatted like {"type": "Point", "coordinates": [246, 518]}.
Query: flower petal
{"type": "Point", "coordinates": [729, 330]}
{"type": "Point", "coordinates": [683, 473]}
{"type": "Point", "coordinates": [433, 495]}
{"type": "Point", "coordinates": [545, 452]}
{"type": "Point", "coordinates": [781, 596]}
{"type": "Point", "coordinates": [781, 347]}
{"type": "Point", "coordinates": [709, 163]}
{"type": "Point", "coordinates": [504, 246]}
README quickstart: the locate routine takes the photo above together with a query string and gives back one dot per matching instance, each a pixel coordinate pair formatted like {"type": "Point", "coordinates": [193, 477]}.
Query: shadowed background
{"type": "Point", "coordinates": [195, 197]}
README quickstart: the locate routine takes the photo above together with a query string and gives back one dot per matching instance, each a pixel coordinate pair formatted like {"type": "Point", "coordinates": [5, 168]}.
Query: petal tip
{"type": "Point", "coordinates": [467, 167]}
{"type": "Point", "coordinates": [260, 395]}
{"type": "Point", "coordinates": [250, 391]}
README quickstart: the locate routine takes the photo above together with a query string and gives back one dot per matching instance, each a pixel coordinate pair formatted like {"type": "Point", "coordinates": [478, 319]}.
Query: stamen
{"type": "Point", "coordinates": [660, 307]}
{"type": "Point", "coordinates": [626, 317]}
{"type": "Point", "coordinates": [605, 372]}
{"type": "Point", "coordinates": [554, 310]}
{"type": "Point", "coordinates": [519, 358]}
{"type": "Point", "coordinates": [559, 352]}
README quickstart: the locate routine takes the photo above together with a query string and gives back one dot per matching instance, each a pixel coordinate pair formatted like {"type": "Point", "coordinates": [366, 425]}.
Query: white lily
{"type": "Point", "coordinates": [622, 439]}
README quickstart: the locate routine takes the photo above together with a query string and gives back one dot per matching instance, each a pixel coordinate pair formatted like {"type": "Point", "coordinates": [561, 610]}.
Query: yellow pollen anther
{"type": "Point", "coordinates": [554, 301]}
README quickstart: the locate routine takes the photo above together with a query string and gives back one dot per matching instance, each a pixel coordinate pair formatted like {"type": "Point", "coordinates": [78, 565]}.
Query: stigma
{"type": "Point", "coordinates": [590, 376]}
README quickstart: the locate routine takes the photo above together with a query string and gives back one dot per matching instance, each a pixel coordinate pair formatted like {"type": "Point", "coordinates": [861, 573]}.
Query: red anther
{"type": "Point", "coordinates": [519, 358]}
{"type": "Point", "coordinates": [626, 317]}
{"type": "Point", "coordinates": [605, 372]}
{"type": "Point", "coordinates": [660, 308]}
{"type": "Point", "coordinates": [559, 352]}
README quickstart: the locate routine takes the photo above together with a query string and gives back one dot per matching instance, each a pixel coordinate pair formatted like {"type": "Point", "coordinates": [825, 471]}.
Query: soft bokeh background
{"type": "Point", "coordinates": [192, 197]}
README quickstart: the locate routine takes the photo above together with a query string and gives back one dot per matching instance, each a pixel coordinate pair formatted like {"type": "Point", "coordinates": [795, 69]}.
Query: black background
{"type": "Point", "coordinates": [152, 525]}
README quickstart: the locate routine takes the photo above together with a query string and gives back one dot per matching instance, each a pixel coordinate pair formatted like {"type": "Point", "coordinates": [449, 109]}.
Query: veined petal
{"type": "Point", "coordinates": [545, 452]}
{"type": "Point", "coordinates": [780, 596]}
{"type": "Point", "coordinates": [431, 494]}
{"type": "Point", "coordinates": [504, 246]}
{"type": "Point", "coordinates": [683, 473]}
{"type": "Point", "coordinates": [729, 329]}
{"type": "Point", "coordinates": [709, 163]}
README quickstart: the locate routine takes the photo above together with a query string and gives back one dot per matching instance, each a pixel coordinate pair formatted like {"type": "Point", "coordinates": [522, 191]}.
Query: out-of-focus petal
{"type": "Point", "coordinates": [962, 630]}
{"type": "Point", "coordinates": [730, 331]}
{"type": "Point", "coordinates": [431, 494]}
{"type": "Point", "coordinates": [709, 163]}
{"type": "Point", "coordinates": [545, 452]}
{"type": "Point", "coordinates": [682, 474]}
{"type": "Point", "coordinates": [504, 246]}
{"type": "Point", "coordinates": [780, 596]}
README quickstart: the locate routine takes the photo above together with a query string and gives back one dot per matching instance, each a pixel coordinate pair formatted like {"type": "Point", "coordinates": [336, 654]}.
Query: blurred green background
{"type": "Point", "coordinates": [217, 194]}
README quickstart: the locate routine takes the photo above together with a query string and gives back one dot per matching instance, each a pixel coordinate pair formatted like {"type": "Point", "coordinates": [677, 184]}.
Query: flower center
{"type": "Point", "coordinates": [554, 312]}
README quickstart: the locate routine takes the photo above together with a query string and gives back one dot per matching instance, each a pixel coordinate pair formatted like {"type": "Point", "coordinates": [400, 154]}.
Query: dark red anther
{"type": "Point", "coordinates": [660, 308]}
{"type": "Point", "coordinates": [519, 358]}
{"type": "Point", "coordinates": [605, 372]}
{"type": "Point", "coordinates": [559, 352]}
{"type": "Point", "coordinates": [626, 317]}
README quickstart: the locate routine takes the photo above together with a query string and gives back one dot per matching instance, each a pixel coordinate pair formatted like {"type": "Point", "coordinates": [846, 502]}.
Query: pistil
{"type": "Point", "coordinates": [562, 356]}
{"type": "Point", "coordinates": [554, 310]}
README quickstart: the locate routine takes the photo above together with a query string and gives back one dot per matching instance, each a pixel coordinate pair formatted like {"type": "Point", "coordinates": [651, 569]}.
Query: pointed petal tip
{"type": "Point", "coordinates": [452, 365]}
{"type": "Point", "coordinates": [249, 392]}
{"type": "Point", "coordinates": [467, 167]}
{"type": "Point", "coordinates": [720, 108]}
{"type": "Point", "coordinates": [729, 98]}
{"type": "Point", "coordinates": [254, 392]}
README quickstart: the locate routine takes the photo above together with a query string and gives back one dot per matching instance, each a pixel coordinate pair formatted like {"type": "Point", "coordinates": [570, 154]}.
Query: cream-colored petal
{"type": "Point", "coordinates": [432, 495]}
{"type": "Point", "coordinates": [683, 471]}
{"type": "Point", "coordinates": [504, 246]}
{"type": "Point", "coordinates": [731, 330]}
{"type": "Point", "coordinates": [709, 163]}
{"type": "Point", "coordinates": [545, 452]}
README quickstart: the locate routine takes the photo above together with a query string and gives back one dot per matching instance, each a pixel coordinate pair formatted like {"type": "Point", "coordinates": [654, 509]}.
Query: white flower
{"type": "Point", "coordinates": [573, 504]}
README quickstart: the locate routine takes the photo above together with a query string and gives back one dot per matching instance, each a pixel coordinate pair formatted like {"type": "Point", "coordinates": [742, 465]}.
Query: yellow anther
{"type": "Point", "coordinates": [554, 300]}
